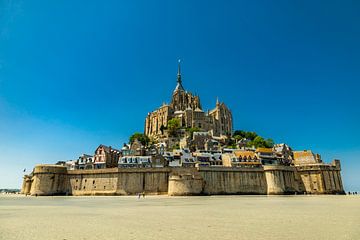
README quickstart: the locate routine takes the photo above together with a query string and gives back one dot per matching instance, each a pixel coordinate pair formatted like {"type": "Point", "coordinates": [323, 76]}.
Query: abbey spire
{"type": "Point", "coordinates": [179, 82]}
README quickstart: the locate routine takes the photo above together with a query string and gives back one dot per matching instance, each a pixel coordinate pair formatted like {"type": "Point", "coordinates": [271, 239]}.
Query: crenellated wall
{"type": "Point", "coordinates": [56, 180]}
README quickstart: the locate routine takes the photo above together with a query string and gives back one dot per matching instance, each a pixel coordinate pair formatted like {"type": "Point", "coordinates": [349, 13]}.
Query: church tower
{"type": "Point", "coordinates": [181, 99]}
{"type": "Point", "coordinates": [187, 108]}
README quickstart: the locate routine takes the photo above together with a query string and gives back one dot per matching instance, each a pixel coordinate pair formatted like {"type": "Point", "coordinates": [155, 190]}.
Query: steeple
{"type": "Point", "coordinates": [179, 72]}
{"type": "Point", "coordinates": [217, 101]}
{"type": "Point", "coordinates": [179, 82]}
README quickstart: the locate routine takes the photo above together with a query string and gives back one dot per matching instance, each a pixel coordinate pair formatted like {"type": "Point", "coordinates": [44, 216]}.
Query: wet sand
{"type": "Point", "coordinates": [162, 217]}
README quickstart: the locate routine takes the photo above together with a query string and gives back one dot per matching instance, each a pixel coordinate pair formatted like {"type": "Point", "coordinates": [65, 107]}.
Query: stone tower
{"type": "Point", "coordinates": [187, 107]}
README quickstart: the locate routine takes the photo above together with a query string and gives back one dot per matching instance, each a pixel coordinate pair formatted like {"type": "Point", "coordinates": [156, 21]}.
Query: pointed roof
{"type": "Point", "coordinates": [198, 110]}
{"type": "Point", "coordinates": [179, 82]}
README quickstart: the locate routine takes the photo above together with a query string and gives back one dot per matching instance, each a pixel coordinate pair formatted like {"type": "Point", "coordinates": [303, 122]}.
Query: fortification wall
{"type": "Point", "coordinates": [221, 180]}
{"type": "Point", "coordinates": [280, 180]}
{"type": "Point", "coordinates": [185, 181]}
{"type": "Point", "coordinates": [115, 181]}
{"type": "Point", "coordinates": [26, 186]}
{"type": "Point", "coordinates": [48, 180]}
{"type": "Point", "coordinates": [321, 178]}
{"type": "Point", "coordinates": [56, 180]}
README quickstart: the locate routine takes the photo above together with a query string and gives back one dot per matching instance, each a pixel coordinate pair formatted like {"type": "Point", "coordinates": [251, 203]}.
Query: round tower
{"type": "Point", "coordinates": [280, 180]}
{"type": "Point", "coordinates": [26, 186]}
{"type": "Point", "coordinates": [185, 184]}
{"type": "Point", "coordinates": [48, 180]}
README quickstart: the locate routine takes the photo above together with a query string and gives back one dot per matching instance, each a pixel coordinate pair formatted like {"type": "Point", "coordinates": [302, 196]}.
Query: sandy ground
{"type": "Point", "coordinates": [162, 217]}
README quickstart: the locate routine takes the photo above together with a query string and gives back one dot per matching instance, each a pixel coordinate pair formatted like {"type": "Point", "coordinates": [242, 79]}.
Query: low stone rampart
{"type": "Point", "coordinates": [268, 179]}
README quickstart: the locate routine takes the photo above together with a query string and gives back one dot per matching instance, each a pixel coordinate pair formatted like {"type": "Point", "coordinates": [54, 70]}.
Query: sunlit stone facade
{"type": "Point", "coordinates": [187, 107]}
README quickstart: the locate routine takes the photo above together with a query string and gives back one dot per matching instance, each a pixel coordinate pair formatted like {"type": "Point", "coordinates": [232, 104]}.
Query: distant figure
{"type": "Point", "coordinates": [143, 194]}
{"type": "Point", "coordinates": [349, 193]}
{"type": "Point", "coordinates": [139, 194]}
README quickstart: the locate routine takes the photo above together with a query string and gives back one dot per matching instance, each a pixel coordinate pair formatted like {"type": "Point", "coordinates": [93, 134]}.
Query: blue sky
{"type": "Point", "coordinates": [74, 74]}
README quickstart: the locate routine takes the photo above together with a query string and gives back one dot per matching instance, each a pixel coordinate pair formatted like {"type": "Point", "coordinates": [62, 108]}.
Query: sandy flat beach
{"type": "Point", "coordinates": [163, 217]}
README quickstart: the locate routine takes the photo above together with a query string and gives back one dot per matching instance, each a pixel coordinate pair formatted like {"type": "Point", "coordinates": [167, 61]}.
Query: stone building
{"type": "Point", "coordinates": [283, 153]}
{"type": "Point", "coordinates": [106, 157]}
{"type": "Point", "coordinates": [85, 161]}
{"type": "Point", "coordinates": [267, 156]}
{"type": "Point", "coordinates": [187, 108]}
{"type": "Point", "coordinates": [306, 157]}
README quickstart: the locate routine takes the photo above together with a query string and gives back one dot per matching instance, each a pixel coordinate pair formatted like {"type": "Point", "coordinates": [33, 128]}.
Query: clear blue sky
{"type": "Point", "coordinates": [74, 74]}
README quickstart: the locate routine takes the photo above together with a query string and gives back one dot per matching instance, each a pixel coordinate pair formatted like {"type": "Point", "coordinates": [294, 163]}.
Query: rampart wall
{"type": "Point", "coordinates": [117, 181]}
{"type": "Point", "coordinates": [268, 179]}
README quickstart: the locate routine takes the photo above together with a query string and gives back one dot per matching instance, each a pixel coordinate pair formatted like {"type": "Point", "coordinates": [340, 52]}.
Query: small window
{"type": "Point", "coordinates": [93, 181]}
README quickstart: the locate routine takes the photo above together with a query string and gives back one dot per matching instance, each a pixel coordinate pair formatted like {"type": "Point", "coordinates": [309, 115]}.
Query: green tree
{"type": "Point", "coordinates": [250, 135]}
{"type": "Point", "coordinates": [269, 143]}
{"type": "Point", "coordinates": [173, 125]}
{"type": "Point", "coordinates": [259, 142]}
{"type": "Point", "coordinates": [192, 130]}
{"type": "Point", "coordinates": [176, 146]}
{"type": "Point", "coordinates": [255, 140]}
{"type": "Point", "coordinates": [141, 137]}
{"type": "Point", "coordinates": [239, 134]}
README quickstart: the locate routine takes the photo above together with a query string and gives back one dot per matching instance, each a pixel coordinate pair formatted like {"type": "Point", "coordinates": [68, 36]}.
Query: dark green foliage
{"type": "Point", "coordinates": [239, 133]}
{"type": "Point", "coordinates": [254, 139]}
{"type": "Point", "coordinates": [192, 130]}
{"type": "Point", "coordinates": [176, 146]}
{"type": "Point", "coordinates": [141, 137]}
{"type": "Point", "coordinates": [250, 135]}
{"type": "Point", "coordinates": [173, 126]}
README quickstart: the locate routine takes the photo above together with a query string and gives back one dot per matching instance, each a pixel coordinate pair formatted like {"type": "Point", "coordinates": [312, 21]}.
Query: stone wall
{"type": "Point", "coordinates": [48, 180]}
{"type": "Point", "coordinates": [26, 186]}
{"type": "Point", "coordinates": [117, 181]}
{"type": "Point", "coordinates": [321, 178]}
{"type": "Point", "coordinates": [227, 180]}
{"type": "Point", "coordinates": [280, 180]}
{"type": "Point", "coordinates": [314, 179]}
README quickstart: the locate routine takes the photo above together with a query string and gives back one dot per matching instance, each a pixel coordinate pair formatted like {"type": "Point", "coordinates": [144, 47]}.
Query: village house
{"type": "Point", "coordinates": [106, 157]}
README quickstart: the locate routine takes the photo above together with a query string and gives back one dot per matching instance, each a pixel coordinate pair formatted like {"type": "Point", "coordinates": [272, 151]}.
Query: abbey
{"type": "Point", "coordinates": [187, 108]}
{"type": "Point", "coordinates": [201, 155]}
